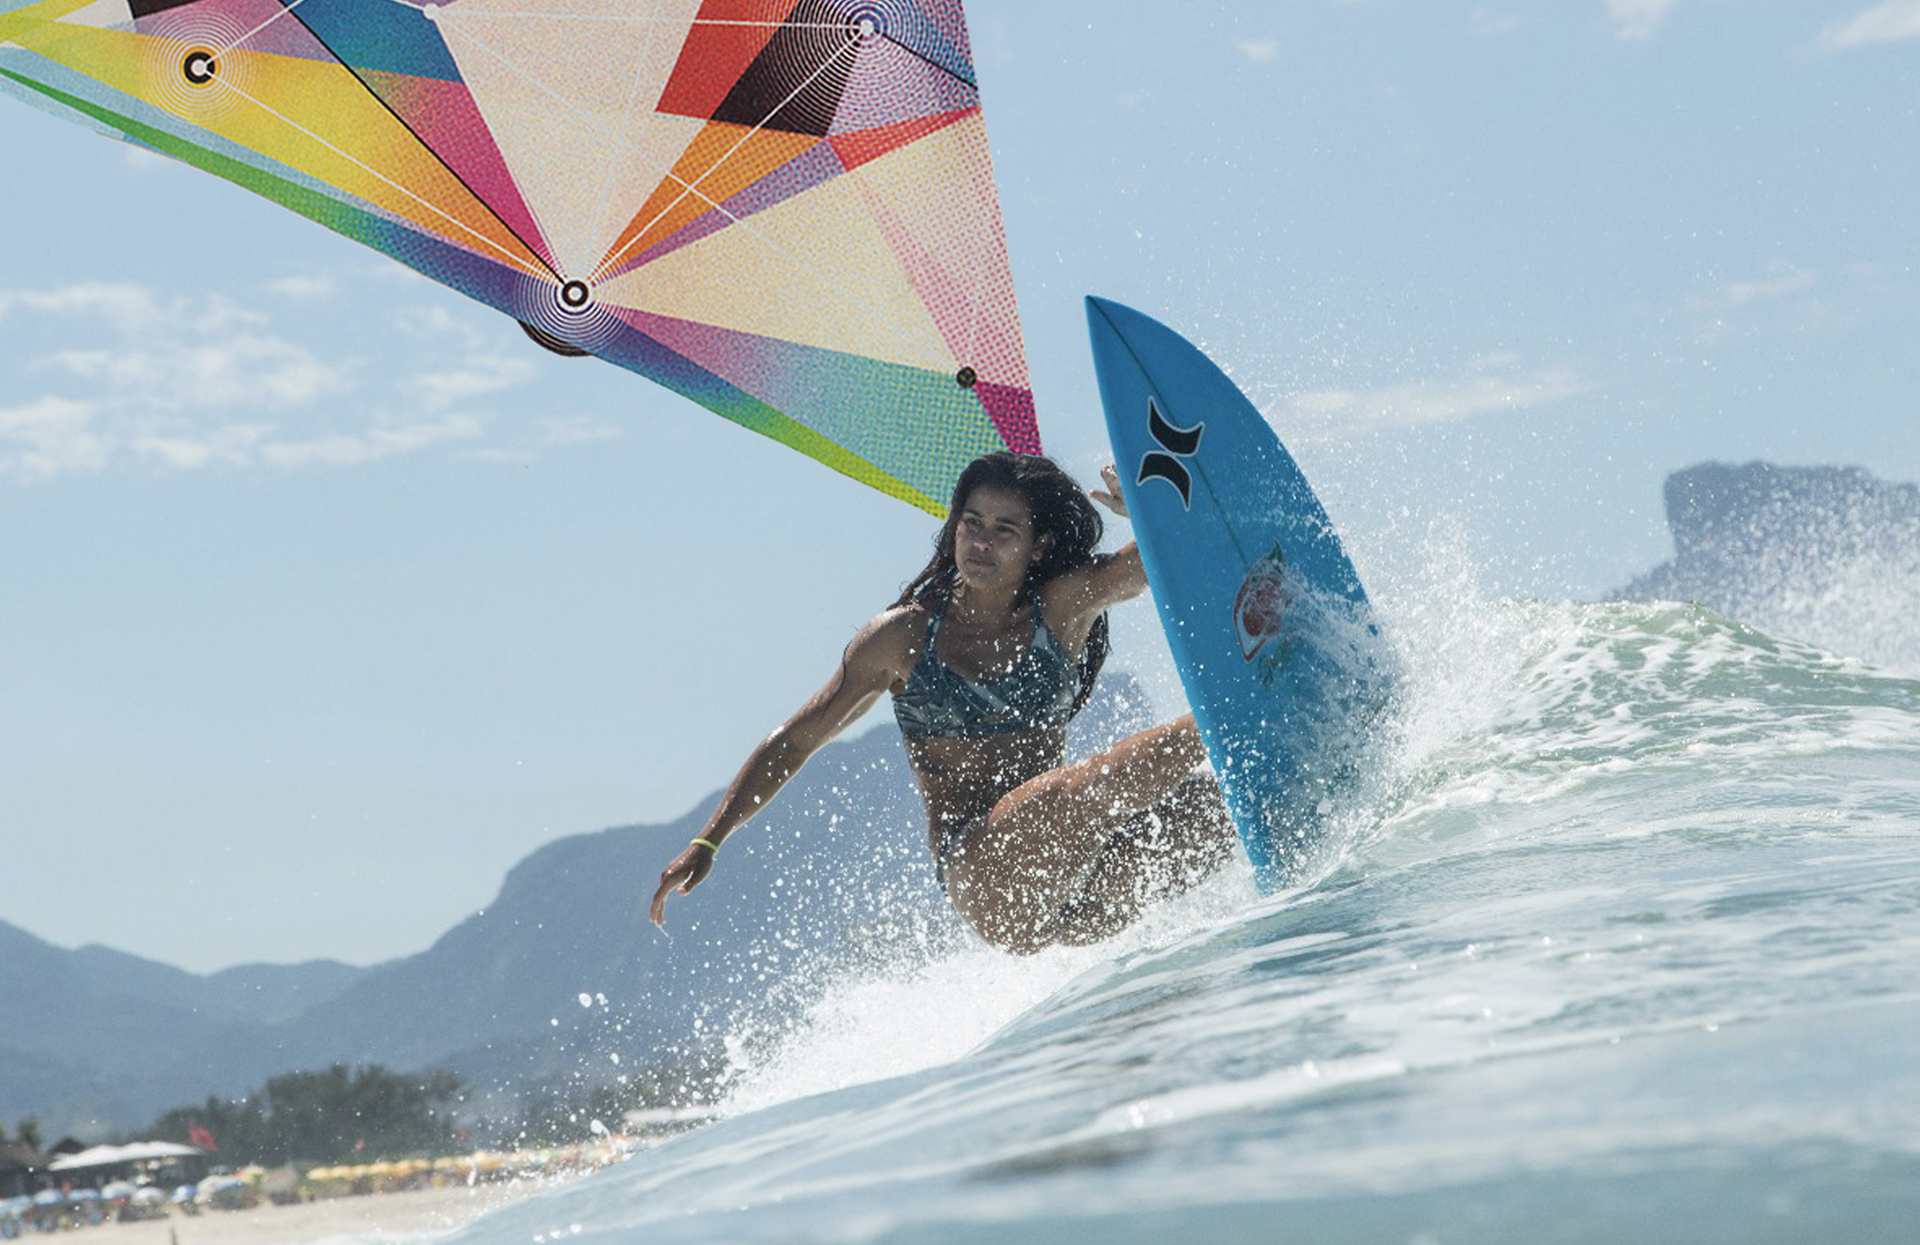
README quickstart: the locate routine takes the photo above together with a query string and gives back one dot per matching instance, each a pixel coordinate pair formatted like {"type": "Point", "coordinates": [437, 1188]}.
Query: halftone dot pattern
{"type": "Point", "coordinates": [781, 209]}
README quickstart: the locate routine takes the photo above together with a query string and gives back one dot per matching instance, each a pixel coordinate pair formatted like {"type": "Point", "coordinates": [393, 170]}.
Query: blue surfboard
{"type": "Point", "coordinates": [1276, 644]}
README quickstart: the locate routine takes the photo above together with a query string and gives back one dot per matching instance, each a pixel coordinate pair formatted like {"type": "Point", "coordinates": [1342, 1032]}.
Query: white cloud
{"type": "Point", "coordinates": [480, 370]}
{"type": "Point", "coordinates": [1781, 281]}
{"type": "Point", "coordinates": [1785, 300]}
{"type": "Point", "coordinates": [1494, 384]}
{"type": "Point", "coordinates": [373, 444]}
{"type": "Point", "coordinates": [50, 437]}
{"type": "Point", "coordinates": [133, 374]}
{"type": "Point", "coordinates": [303, 287]}
{"type": "Point", "coordinates": [1888, 22]}
{"type": "Point", "coordinates": [246, 370]}
{"type": "Point", "coordinates": [1638, 19]}
{"type": "Point", "coordinates": [232, 445]}
{"type": "Point", "coordinates": [437, 329]}
{"type": "Point", "coordinates": [477, 376]}
{"type": "Point", "coordinates": [128, 305]}
{"type": "Point", "coordinates": [1259, 51]}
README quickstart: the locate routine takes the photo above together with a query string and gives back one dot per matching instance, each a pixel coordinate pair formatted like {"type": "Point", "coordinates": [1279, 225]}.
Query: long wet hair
{"type": "Point", "coordinates": [1060, 509]}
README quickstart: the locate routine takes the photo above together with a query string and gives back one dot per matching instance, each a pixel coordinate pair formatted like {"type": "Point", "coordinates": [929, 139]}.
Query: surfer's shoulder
{"type": "Point", "coordinates": [1088, 589]}
{"type": "Point", "coordinates": [891, 639]}
{"type": "Point", "coordinates": [909, 619]}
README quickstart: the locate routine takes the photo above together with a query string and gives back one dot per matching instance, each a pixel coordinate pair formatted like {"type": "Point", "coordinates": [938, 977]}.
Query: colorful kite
{"type": "Point", "coordinates": [782, 209]}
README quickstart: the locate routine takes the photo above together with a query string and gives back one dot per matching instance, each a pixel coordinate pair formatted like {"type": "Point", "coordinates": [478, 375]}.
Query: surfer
{"type": "Point", "coordinates": [987, 654]}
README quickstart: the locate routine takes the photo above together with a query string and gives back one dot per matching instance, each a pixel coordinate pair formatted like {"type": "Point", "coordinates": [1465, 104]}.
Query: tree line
{"type": "Point", "coordinates": [366, 1114]}
{"type": "Point", "coordinates": [340, 1115]}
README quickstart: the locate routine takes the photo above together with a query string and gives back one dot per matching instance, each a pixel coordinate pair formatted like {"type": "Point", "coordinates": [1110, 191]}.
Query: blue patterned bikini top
{"type": "Point", "coordinates": [1038, 692]}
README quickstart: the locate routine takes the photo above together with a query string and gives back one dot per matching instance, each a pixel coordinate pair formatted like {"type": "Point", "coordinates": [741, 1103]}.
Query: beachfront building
{"type": "Point", "coordinates": [21, 1166]}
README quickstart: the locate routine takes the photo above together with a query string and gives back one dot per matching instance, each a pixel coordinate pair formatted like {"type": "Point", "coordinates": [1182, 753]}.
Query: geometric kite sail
{"type": "Point", "coordinates": [781, 209]}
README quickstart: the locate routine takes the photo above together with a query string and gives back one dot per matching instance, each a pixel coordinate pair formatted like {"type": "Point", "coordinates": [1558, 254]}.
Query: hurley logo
{"type": "Point", "coordinates": [1178, 443]}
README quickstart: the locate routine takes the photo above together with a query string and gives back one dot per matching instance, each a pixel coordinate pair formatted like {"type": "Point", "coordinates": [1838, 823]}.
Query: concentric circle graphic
{"type": "Point", "coordinates": [904, 64]}
{"type": "Point", "coordinates": [548, 341]}
{"type": "Point", "coordinates": [903, 22]}
{"type": "Point", "coordinates": [192, 69]}
{"type": "Point", "coordinates": [868, 22]}
{"type": "Point", "coordinates": [566, 313]}
{"type": "Point", "coordinates": [798, 79]}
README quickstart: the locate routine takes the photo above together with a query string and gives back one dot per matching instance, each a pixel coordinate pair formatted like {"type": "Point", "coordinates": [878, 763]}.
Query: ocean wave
{"type": "Point", "coordinates": [1623, 937]}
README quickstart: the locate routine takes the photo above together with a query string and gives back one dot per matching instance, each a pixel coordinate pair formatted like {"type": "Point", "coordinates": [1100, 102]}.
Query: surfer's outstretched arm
{"type": "Point", "coordinates": [873, 662]}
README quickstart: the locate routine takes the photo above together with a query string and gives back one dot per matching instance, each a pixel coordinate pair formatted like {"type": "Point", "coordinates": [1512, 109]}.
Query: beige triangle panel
{"type": "Point", "coordinates": [934, 200]}
{"type": "Point", "coordinates": [814, 269]}
{"type": "Point", "coordinates": [569, 91]}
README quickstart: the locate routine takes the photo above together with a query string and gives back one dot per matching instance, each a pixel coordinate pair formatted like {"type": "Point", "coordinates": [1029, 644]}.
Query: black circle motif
{"type": "Point", "coordinates": [967, 378]}
{"type": "Point", "coordinates": [868, 23]}
{"type": "Point", "coordinates": [200, 67]}
{"type": "Point", "coordinates": [565, 311]}
{"type": "Point", "coordinates": [565, 349]}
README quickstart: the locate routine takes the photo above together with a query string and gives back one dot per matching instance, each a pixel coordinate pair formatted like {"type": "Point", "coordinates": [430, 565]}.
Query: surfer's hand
{"type": "Point", "coordinates": [1110, 496]}
{"type": "Point", "coordinates": [687, 871]}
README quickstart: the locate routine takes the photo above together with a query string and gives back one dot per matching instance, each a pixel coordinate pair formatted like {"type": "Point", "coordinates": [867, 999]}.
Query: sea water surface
{"type": "Point", "coordinates": [1626, 947]}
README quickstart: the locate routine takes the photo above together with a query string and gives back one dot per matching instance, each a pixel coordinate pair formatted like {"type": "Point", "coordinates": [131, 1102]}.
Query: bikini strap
{"type": "Point", "coordinates": [1033, 605]}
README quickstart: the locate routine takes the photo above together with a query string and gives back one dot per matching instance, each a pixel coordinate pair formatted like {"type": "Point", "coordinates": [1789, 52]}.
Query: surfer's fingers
{"type": "Point", "coordinates": [676, 876]}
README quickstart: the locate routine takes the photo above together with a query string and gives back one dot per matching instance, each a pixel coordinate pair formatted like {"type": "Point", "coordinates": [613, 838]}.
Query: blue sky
{"type": "Point", "coordinates": [325, 597]}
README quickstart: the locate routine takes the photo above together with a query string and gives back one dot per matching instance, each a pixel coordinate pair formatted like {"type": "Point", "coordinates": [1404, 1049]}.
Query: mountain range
{"type": "Point", "coordinates": [558, 974]}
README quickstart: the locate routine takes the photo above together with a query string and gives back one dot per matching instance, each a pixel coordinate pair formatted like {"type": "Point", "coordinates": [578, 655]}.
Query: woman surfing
{"type": "Point", "coordinates": [988, 653]}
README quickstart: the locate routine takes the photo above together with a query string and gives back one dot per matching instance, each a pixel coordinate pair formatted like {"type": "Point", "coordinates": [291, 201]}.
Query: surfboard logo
{"type": "Point", "coordinates": [1175, 444]}
{"type": "Point", "coordinates": [1261, 606]}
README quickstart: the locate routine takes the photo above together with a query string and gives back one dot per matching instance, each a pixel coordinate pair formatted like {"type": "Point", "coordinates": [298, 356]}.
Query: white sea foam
{"type": "Point", "coordinates": [1626, 951]}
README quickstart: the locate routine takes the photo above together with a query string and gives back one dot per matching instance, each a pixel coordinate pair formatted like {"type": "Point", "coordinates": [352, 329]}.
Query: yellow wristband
{"type": "Point", "coordinates": [709, 845]}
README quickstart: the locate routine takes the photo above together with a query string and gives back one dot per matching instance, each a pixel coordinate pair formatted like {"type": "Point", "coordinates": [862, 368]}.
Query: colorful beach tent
{"type": "Point", "coordinates": [781, 209]}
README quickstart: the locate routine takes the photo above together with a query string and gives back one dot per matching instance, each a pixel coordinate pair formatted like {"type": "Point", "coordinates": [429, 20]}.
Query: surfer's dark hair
{"type": "Point", "coordinates": [1060, 509]}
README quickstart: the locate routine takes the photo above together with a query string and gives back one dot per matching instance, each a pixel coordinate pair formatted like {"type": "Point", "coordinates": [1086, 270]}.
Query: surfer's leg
{"type": "Point", "coordinates": [1153, 857]}
{"type": "Point", "coordinates": [1031, 857]}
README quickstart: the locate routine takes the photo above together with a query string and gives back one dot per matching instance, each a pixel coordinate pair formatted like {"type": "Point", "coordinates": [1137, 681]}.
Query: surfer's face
{"type": "Point", "coordinates": [994, 543]}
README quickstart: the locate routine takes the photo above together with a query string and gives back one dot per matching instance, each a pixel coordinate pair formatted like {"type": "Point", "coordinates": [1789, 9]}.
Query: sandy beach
{"type": "Point", "coordinates": [413, 1213]}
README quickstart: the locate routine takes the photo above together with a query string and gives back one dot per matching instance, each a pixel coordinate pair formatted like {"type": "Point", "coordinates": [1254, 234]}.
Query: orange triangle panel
{"type": "Point", "coordinates": [721, 161]}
